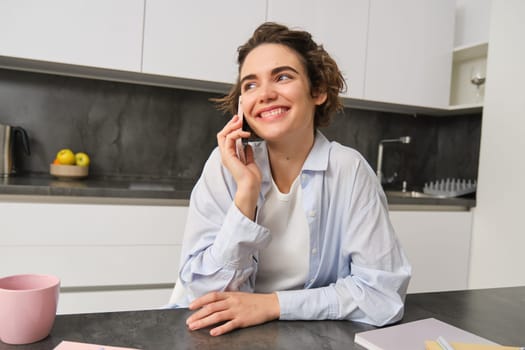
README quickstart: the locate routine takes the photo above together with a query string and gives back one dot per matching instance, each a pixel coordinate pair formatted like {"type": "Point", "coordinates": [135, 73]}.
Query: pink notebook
{"type": "Point", "coordinates": [412, 335]}
{"type": "Point", "coordinates": [69, 345]}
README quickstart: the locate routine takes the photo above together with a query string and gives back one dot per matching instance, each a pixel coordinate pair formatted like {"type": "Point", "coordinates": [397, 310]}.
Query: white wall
{"type": "Point", "coordinates": [498, 240]}
{"type": "Point", "coordinates": [472, 17]}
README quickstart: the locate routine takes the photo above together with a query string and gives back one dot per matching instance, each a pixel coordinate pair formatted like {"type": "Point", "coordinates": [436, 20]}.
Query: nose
{"type": "Point", "coordinates": [267, 93]}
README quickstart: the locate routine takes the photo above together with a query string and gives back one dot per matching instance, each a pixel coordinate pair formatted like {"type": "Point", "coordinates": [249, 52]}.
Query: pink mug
{"type": "Point", "coordinates": [28, 305]}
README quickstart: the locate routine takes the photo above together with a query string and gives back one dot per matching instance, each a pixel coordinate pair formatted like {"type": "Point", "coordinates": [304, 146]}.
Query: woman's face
{"type": "Point", "coordinates": [276, 95]}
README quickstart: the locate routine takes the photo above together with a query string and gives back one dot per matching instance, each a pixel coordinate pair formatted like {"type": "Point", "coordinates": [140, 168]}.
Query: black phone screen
{"type": "Point", "coordinates": [253, 136]}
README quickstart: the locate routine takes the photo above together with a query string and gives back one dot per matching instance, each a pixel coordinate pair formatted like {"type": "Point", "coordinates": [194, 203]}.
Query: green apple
{"type": "Point", "coordinates": [66, 157]}
{"type": "Point", "coordinates": [82, 159]}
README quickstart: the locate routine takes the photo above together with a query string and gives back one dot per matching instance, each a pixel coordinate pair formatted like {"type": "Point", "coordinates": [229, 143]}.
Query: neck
{"type": "Point", "coordinates": [287, 159]}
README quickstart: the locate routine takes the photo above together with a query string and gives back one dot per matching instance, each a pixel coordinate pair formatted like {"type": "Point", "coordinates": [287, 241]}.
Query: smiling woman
{"type": "Point", "coordinates": [270, 87]}
{"type": "Point", "coordinates": [300, 230]}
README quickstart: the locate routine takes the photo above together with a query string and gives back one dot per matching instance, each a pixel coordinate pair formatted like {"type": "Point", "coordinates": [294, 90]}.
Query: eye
{"type": "Point", "coordinates": [248, 86]}
{"type": "Point", "coordinates": [283, 77]}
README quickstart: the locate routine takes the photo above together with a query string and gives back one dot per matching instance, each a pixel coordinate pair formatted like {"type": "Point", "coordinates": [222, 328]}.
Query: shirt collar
{"type": "Point", "coordinates": [317, 159]}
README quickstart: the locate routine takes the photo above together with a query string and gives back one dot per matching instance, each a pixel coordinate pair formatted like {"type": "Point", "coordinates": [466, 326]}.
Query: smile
{"type": "Point", "coordinates": [273, 112]}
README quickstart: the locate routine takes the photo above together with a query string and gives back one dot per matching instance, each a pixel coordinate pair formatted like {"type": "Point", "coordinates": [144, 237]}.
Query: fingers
{"type": "Point", "coordinates": [225, 328]}
{"type": "Point", "coordinates": [210, 319]}
{"type": "Point", "coordinates": [206, 311]}
{"type": "Point", "coordinates": [232, 310]}
{"type": "Point", "coordinates": [231, 125]}
{"type": "Point", "coordinates": [231, 132]}
{"type": "Point", "coordinates": [248, 151]}
{"type": "Point", "coordinates": [216, 311]}
{"type": "Point", "coordinates": [206, 299]}
{"type": "Point", "coordinates": [212, 310]}
{"type": "Point", "coordinates": [227, 139]}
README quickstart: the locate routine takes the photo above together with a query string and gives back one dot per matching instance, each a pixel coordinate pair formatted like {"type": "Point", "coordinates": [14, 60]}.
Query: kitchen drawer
{"type": "Point", "coordinates": [48, 224]}
{"type": "Point", "coordinates": [95, 265]}
{"type": "Point", "coordinates": [114, 300]}
{"type": "Point", "coordinates": [437, 244]}
{"type": "Point", "coordinates": [92, 244]}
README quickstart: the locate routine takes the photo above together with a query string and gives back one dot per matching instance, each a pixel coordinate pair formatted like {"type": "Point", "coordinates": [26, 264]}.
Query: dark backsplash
{"type": "Point", "coordinates": [440, 147]}
{"type": "Point", "coordinates": [138, 130]}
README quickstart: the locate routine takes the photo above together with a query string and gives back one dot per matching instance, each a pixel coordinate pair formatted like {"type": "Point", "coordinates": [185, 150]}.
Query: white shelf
{"type": "Point", "coordinates": [468, 52]}
{"type": "Point", "coordinates": [468, 61]}
{"type": "Point", "coordinates": [466, 107]}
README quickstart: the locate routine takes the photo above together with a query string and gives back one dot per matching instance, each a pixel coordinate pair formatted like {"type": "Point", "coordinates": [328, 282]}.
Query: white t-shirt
{"type": "Point", "coordinates": [284, 263]}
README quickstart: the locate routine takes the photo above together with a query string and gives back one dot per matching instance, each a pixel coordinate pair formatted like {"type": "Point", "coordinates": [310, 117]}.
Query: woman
{"type": "Point", "coordinates": [301, 230]}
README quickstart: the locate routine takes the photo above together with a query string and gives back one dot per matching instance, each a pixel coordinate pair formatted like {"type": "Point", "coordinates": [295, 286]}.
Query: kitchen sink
{"type": "Point", "coordinates": [409, 194]}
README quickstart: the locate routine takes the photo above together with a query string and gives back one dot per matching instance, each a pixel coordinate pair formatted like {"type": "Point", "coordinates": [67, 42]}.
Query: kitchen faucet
{"type": "Point", "coordinates": [403, 139]}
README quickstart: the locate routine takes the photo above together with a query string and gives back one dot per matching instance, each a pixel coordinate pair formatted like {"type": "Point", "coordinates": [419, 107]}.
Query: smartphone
{"type": "Point", "coordinates": [240, 144]}
{"type": "Point", "coordinates": [253, 136]}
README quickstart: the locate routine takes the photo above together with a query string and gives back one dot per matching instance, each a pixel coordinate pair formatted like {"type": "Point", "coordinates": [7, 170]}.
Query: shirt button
{"type": "Point", "coordinates": [311, 213]}
{"type": "Point", "coordinates": [303, 177]}
{"type": "Point", "coordinates": [314, 250]}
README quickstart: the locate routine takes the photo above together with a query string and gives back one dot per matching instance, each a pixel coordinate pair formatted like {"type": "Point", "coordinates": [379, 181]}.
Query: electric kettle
{"type": "Point", "coordinates": [7, 145]}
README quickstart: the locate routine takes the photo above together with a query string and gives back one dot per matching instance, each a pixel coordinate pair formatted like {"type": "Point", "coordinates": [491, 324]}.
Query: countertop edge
{"type": "Point", "coordinates": [18, 198]}
{"type": "Point", "coordinates": [427, 207]}
{"type": "Point", "coordinates": [160, 192]}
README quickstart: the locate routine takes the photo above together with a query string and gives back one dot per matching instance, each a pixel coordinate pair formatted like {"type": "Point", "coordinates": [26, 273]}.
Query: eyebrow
{"type": "Point", "coordinates": [275, 71]}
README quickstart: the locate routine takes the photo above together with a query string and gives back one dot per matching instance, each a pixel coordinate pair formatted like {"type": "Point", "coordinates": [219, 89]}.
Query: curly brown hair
{"type": "Point", "coordinates": [323, 73]}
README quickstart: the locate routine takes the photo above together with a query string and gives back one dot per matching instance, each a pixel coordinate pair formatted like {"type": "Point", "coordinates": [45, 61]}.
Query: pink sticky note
{"type": "Point", "coordinates": [70, 345]}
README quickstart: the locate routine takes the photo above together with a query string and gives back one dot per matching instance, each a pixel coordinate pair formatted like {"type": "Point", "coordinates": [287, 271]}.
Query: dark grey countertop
{"type": "Point", "coordinates": [106, 186]}
{"type": "Point", "coordinates": [463, 202]}
{"type": "Point", "coordinates": [496, 314]}
{"type": "Point", "coordinates": [135, 187]}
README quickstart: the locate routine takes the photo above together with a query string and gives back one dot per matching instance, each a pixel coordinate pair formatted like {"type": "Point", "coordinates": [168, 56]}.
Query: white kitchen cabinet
{"type": "Point", "coordinates": [97, 33]}
{"type": "Point", "coordinates": [198, 39]}
{"type": "Point", "coordinates": [472, 22]}
{"type": "Point", "coordinates": [437, 244]}
{"type": "Point", "coordinates": [498, 228]}
{"type": "Point", "coordinates": [409, 55]}
{"type": "Point", "coordinates": [113, 300]}
{"type": "Point", "coordinates": [108, 257]}
{"type": "Point", "coordinates": [342, 32]}
{"type": "Point", "coordinates": [470, 52]}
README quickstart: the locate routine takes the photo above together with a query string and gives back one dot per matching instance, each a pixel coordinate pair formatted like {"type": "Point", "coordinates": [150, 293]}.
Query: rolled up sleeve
{"type": "Point", "coordinates": [220, 243]}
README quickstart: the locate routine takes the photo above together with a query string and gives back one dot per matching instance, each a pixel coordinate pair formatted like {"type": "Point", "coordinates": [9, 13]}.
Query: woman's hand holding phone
{"type": "Point", "coordinates": [245, 171]}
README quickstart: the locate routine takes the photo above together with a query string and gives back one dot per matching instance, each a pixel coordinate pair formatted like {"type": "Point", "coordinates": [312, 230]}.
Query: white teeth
{"type": "Point", "coordinates": [273, 112]}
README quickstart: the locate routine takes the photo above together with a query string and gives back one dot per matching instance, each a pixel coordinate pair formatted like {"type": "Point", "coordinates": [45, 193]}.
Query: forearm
{"type": "Point", "coordinates": [246, 200]}
{"type": "Point", "coordinates": [222, 261]}
{"type": "Point", "coordinates": [359, 297]}
{"type": "Point", "coordinates": [308, 304]}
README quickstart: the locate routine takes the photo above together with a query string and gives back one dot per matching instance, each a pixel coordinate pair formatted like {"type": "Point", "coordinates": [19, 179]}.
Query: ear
{"type": "Point", "coordinates": [320, 98]}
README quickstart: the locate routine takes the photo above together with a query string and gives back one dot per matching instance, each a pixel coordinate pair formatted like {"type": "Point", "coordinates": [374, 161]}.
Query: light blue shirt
{"type": "Point", "coordinates": [357, 269]}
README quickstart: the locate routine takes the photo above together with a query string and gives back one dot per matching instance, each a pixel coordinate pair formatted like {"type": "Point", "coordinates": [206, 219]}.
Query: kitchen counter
{"type": "Point", "coordinates": [170, 190]}
{"type": "Point", "coordinates": [105, 186]}
{"type": "Point", "coordinates": [495, 314]}
{"type": "Point", "coordinates": [430, 203]}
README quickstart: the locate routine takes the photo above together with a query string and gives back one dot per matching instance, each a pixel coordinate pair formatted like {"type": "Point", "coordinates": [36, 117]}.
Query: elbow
{"type": "Point", "coordinates": [388, 310]}
{"type": "Point", "coordinates": [389, 318]}
{"type": "Point", "coordinates": [395, 312]}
